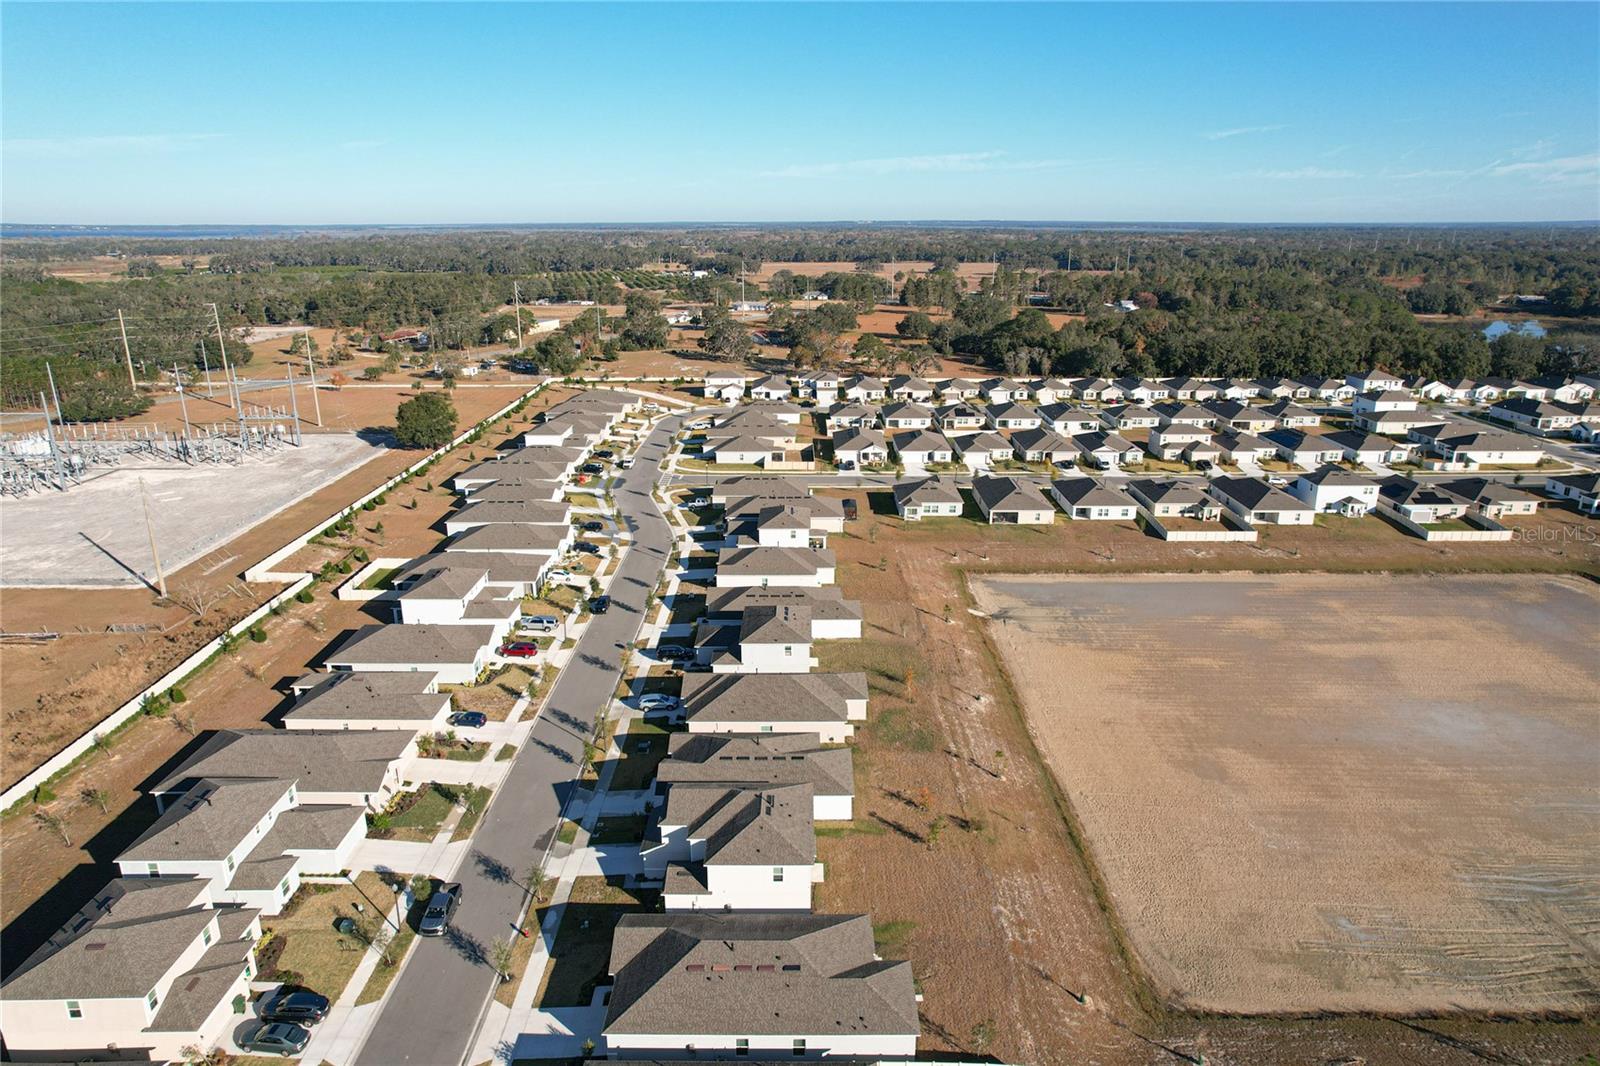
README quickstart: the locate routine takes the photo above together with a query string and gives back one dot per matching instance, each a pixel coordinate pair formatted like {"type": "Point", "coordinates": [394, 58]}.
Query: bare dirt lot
{"type": "Point", "coordinates": [1017, 951]}
{"type": "Point", "coordinates": [1319, 792]}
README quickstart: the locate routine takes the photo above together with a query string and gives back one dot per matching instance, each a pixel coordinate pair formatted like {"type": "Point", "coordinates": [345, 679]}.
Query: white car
{"type": "Point", "coordinates": [698, 501]}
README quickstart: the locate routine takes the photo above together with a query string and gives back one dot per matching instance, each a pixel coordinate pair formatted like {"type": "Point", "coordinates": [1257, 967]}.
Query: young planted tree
{"type": "Point", "coordinates": [54, 823]}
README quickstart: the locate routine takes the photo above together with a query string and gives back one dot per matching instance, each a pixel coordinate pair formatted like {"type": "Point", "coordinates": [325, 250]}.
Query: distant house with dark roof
{"type": "Point", "coordinates": [757, 985]}
{"type": "Point", "coordinates": [1084, 498]}
{"type": "Point", "coordinates": [1256, 501]}
{"type": "Point", "coordinates": [1581, 489]}
{"type": "Point", "coordinates": [929, 497]}
{"type": "Point", "coordinates": [1011, 501]}
{"type": "Point", "coordinates": [360, 700]}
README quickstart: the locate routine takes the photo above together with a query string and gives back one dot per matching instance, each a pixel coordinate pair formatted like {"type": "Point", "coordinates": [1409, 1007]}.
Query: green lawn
{"type": "Point", "coordinates": [420, 823]}
{"type": "Point", "coordinates": [469, 819]}
{"type": "Point", "coordinates": [620, 829]}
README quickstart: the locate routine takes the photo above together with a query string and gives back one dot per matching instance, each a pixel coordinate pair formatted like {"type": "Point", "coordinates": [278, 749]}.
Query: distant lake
{"type": "Point", "coordinates": [1500, 327]}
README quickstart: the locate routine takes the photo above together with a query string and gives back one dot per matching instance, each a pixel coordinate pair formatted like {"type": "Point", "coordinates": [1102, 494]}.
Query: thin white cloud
{"type": "Point", "coordinates": [1305, 173]}
{"type": "Point", "coordinates": [1241, 131]}
{"type": "Point", "coordinates": [948, 163]}
{"type": "Point", "coordinates": [1568, 170]}
{"type": "Point", "coordinates": [116, 144]}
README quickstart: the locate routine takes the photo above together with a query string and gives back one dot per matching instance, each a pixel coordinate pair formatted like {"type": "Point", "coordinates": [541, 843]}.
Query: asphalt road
{"type": "Point", "coordinates": [438, 1001]}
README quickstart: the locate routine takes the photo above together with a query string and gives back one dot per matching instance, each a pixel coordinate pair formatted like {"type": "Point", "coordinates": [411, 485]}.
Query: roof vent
{"type": "Point", "coordinates": [98, 945]}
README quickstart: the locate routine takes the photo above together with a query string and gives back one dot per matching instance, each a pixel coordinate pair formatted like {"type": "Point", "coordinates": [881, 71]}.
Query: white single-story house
{"type": "Point", "coordinates": [1169, 498]}
{"type": "Point", "coordinates": [981, 450]}
{"type": "Point", "coordinates": [456, 653]}
{"type": "Point", "coordinates": [1256, 501]}
{"type": "Point", "coordinates": [1170, 441]}
{"type": "Point", "coordinates": [1107, 451]}
{"type": "Point", "coordinates": [860, 446]}
{"type": "Point", "coordinates": [1084, 498]}
{"type": "Point", "coordinates": [907, 415]}
{"type": "Point", "coordinates": [1011, 501]}
{"type": "Point", "coordinates": [917, 450]}
{"type": "Point", "coordinates": [1130, 416]}
{"type": "Point", "coordinates": [1581, 489]}
{"type": "Point", "coordinates": [929, 497]}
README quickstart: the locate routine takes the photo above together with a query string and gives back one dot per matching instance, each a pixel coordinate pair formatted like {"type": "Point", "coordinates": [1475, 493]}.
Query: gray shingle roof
{"type": "Point", "coordinates": [770, 623]}
{"type": "Point", "coordinates": [745, 826]}
{"type": "Point", "coordinates": [321, 760]}
{"type": "Point", "coordinates": [425, 645]}
{"type": "Point", "coordinates": [826, 603]}
{"type": "Point", "coordinates": [758, 759]}
{"type": "Point", "coordinates": [1257, 495]}
{"type": "Point", "coordinates": [1087, 492]}
{"type": "Point", "coordinates": [926, 490]}
{"type": "Point", "coordinates": [755, 972]}
{"type": "Point", "coordinates": [539, 512]}
{"type": "Point", "coordinates": [119, 946]}
{"type": "Point", "coordinates": [771, 697]}
{"type": "Point", "coordinates": [1009, 494]}
{"type": "Point", "coordinates": [207, 822]}
{"type": "Point", "coordinates": [759, 561]}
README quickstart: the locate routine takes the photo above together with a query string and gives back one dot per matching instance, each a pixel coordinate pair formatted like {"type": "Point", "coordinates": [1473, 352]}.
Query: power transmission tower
{"type": "Point", "coordinates": [161, 579]}
{"type": "Point", "coordinates": [227, 372]}
{"type": "Point", "coordinates": [516, 299]}
{"type": "Point", "coordinates": [311, 365]}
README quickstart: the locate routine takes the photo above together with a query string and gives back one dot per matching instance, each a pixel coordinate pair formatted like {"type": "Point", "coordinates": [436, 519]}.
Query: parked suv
{"type": "Point", "coordinates": [538, 623]}
{"type": "Point", "coordinates": [441, 908]}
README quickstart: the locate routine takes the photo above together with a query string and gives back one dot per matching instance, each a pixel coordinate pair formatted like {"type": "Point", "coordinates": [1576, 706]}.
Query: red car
{"type": "Point", "coordinates": [519, 649]}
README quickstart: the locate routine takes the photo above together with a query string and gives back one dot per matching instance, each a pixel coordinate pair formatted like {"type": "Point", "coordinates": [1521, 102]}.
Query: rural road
{"type": "Point", "coordinates": [433, 1011]}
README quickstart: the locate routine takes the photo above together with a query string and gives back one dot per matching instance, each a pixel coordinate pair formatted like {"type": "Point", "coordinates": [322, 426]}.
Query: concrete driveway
{"type": "Point", "coordinates": [434, 1010]}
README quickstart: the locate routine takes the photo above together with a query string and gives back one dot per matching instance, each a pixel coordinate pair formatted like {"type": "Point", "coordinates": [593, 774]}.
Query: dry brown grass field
{"type": "Point", "coordinates": [1011, 933]}
{"type": "Point", "coordinates": [1328, 792]}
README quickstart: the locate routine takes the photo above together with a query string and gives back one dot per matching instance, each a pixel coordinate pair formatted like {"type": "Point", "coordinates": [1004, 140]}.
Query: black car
{"type": "Point", "coordinates": [303, 1008]}
{"type": "Point", "coordinates": [469, 719]}
{"type": "Point", "coordinates": [594, 527]}
{"type": "Point", "coordinates": [673, 653]}
{"type": "Point", "coordinates": [604, 453]}
{"type": "Point", "coordinates": [600, 605]}
{"type": "Point", "coordinates": [592, 468]}
{"type": "Point", "coordinates": [280, 1038]}
{"type": "Point", "coordinates": [586, 548]}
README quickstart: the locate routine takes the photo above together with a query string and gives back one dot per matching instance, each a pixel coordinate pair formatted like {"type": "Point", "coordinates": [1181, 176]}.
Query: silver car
{"type": "Point", "coordinates": [441, 908]}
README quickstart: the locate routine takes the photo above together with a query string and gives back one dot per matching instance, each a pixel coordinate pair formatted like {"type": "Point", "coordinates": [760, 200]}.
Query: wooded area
{"type": "Point", "coordinates": [1213, 302]}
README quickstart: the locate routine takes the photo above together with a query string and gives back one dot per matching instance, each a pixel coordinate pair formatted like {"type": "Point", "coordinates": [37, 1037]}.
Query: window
{"type": "Point", "coordinates": [230, 864]}
{"type": "Point", "coordinates": [283, 887]}
{"type": "Point", "coordinates": [741, 1046]}
{"type": "Point", "coordinates": [73, 1009]}
{"type": "Point", "coordinates": [788, 649]}
{"type": "Point", "coordinates": [205, 937]}
{"type": "Point", "coordinates": [799, 1047]}
{"type": "Point", "coordinates": [152, 869]}
{"type": "Point", "coordinates": [152, 1000]}
{"type": "Point", "coordinates": [766, 729]}
{"type": "Point", "coordinates": [777, 873]}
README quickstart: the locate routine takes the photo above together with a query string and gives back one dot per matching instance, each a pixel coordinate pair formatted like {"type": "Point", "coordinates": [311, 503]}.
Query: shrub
{"type": "Point", "coordinates": [342, 566]}
{"type": "Point", "coordinates": [258, 635]}
{"type": "Point", "coordinates": [44, 794]}
{"type": "Point", "coordinates": [304, 596]}
{"type": "Point", "coordinates": [361, 553]}
{"type": "Point", "coordinates": [177, 695]}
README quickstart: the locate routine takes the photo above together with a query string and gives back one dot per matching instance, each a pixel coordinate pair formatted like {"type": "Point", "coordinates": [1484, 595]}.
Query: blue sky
{"type": "Point", "coordinates": [369, 113]}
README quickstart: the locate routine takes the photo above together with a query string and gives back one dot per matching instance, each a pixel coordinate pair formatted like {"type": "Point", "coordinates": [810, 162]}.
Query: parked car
{"type": "Point", "coordinates": [704, 423]}
{"type": "Point", "coordinates": [697, 501]}
{"type": "Point", "coordinates": [604, 453]}
{"type": "Point", "coordinates": [586, 547]}
{"type": "Point", "coordinates": [303, 1008]}
{"type": "Point", "coordinates": [539, 623]}
{"type": "Point", "coordinates": [849, 508]}
{"type": "Point", "coordinates": [592, 468]}
{"type": "Point", "coordinates": [519, 649]}
{"type": "Point", "coordinates": [441, 908]}
{"type": "Point", "coordinates": [1204, 465]}
{"type": "Point", "coordinates": [469, 719]}
{"type": "Point", "coordinates": [594, 527]}
{"type": "Point", "coordinates": [658, 701]}
{"type": "Point", "coordinates": [626, 463]}
{"type": "Point", "coordinates": [276, 1038]}
{"type": "Point", "coordinates": [600, 605]}
{"type": "Point", "coordinates": [673, 653]}
{"type": "Point", "coordinates": [847, 464]}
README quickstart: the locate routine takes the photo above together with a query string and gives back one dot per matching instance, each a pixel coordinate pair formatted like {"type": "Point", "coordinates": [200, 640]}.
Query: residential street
{"type": "Point", "coordinates": [438, 1001]}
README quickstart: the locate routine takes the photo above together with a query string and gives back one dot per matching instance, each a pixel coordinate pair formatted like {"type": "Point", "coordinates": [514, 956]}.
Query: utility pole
{"type": "Point", "coordinates": [206, 363]}
{"type": "Point", "coordinates": [55, 449]}
{"type": "Point", "coordinates": [294, 406]}
{"type": "Point", "coordinates": [316, 402]}
{"type": "Point", "coordinates": [52, 376]}
{"type": "Point", "coordinates": [127, 353]}
{"type": "Point", "coordinates": [227, 372]}
{"type": "Point", "coordinates": [161, 579]}
{"type": "Point", "coordinates": [183, 403]}
{"type": "Point", "coordinates": [516, 299]}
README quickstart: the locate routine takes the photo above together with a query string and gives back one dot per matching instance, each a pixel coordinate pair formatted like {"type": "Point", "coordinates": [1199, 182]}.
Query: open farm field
{"type": "Point", "coordinates": [1403, 766]}
{"type": "Point", "coordinates": [1001, 888]}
